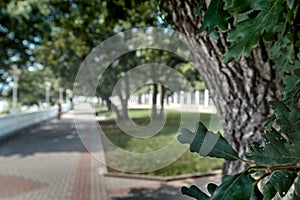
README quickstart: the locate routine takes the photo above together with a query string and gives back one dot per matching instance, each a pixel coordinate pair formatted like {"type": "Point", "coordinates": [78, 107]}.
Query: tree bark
{"type": "Point", "coordinates": [162, 97]}
{"type": "Point", "coordinates": [240, 90]}
{"type": "Point", "coordinates": [124, 105]}
{"type": "Point", "coordinates": [110, 106]}
{"type": "Point", "coordinates": [162, 101]}
{"type": "Point", "coordinates": [154, 101]}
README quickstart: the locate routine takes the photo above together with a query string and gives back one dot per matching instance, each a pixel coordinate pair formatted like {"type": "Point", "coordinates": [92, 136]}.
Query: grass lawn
{"type": "Point", "coordinates": [186, 164]}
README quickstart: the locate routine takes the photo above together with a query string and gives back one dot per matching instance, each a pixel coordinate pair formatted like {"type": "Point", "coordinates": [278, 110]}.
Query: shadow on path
{"type": "Point", "coordinates": [46, 137]}
{"type": "Point", "coordinates": [166, 192]}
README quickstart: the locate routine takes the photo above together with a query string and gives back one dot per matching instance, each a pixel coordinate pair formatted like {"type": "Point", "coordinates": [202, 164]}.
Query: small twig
{"type": "Point", "coordinates": [270, 169]}
{"type": "Point", "coordinates": [279, 167]}
{"type": "Point", "coordinates": [261, 178]}
{"type": "Point", "coordinates": [256, 167]}
{"type": "Point", "coordinates": [246, 161]}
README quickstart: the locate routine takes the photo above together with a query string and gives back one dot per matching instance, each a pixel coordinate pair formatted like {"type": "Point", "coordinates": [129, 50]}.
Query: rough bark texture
{"type": "Point", "coordinates": [240, 90]}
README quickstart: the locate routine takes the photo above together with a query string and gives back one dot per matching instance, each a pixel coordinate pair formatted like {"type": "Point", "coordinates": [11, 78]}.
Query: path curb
{"type": "Point", "coordinates": [160, 178]}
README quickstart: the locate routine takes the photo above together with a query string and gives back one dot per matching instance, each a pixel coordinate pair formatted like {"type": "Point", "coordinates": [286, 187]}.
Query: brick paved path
{"type": "Point", "coordinates": [48, 162]}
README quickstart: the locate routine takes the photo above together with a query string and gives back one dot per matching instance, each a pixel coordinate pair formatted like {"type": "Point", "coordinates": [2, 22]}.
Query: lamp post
{"type": "Point", "coordinates": [61, 94]}
{"type": "Point", "coordinates": [15, 72]}
{"type": "Point", "coordinates": [47, 89]}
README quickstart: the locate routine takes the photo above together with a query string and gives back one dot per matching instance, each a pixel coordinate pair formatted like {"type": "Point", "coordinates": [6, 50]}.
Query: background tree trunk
{"type": "Point", "coordinates": [162, 100]}
{"type": "Point", "coordinates": [240, 90]}
{"type": "Point", "coordinates": [154, 101]}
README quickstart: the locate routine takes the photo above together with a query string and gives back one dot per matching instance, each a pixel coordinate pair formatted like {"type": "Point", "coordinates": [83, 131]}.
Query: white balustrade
{"type": "Point", "coordinates": [189, 98]}
{"type": "Point", "coordinates": [200, 99]}
{"type": "Point", "coordinates": [197, 96]}
{"type": "Point", "coordinates": [206, 97]}
{"type": "Point", "coordinates": [9, 124]}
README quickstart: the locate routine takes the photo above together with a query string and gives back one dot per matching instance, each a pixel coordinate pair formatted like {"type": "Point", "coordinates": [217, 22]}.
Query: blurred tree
{"type": "Point", "coordinates": [22, 27]}
{"type": "Point", "coordinates": [79, 26]}
{"type": "Point", "coordinates": [59, 35]}
{"type": "Point", "coordinates": [31, 87]}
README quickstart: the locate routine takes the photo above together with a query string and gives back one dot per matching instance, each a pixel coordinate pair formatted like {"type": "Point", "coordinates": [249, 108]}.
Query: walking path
{"type": "Point", "coordinates": [48, 162]}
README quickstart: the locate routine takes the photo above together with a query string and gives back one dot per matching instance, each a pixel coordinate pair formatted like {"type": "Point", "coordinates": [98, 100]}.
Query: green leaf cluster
{"type": "Point", "coordinates": [239, 186]}
{"type": "Point", "coordinates": [252, 22]}
{"type": "Point", "coordinates": [249, 31]}
{"type": "Point", "coordinates": [278, 157]}
{"type": "Point", "coordinates": [280, 181]}
{"type": "Point", "coordinates": [214, 17]}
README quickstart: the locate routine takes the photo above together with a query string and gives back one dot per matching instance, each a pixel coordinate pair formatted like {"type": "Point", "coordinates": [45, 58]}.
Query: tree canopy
{"type": "Point", "coordinates": [59, 35]}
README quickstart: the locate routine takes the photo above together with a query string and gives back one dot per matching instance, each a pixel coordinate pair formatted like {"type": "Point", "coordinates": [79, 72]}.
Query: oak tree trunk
{"type": "Point", "coordinates": [240, 90]}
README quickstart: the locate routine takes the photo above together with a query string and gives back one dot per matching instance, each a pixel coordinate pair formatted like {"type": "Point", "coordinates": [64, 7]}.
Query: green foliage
{"type": "Point", "coordinates": [59, 34]}
{"type": "Point", "coordinates": [277, 159]}
{"type": "Point", "coordinates": [256, 21]}
{"type": "Point", "coordinates": [214, 17]}
{"type": "Point", "coordinates": [23, 25]}
{"type": "Point", "coordinates": [237, 6]}
{"type": "Point", "coordinates": [207, 143]}
{"type": "Point", "coordinates": [235, 186]}
{"type": "Point", "coordinates": [194, 192]}
{"type": "Point", "coordinates": [292, 84]}
{"type": "Point", "coordinates": [247, 33]}
{"type": "Point", "coordinates": [239, 186]}
{"type": "Point", "coordinates": [280, 181]}
{"type": "Point", "coordinates": [289, 120]}
{"type": "Point", "coordinates": [276, 150]}
{"type": "Point", "coordinates": [29, 96]}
